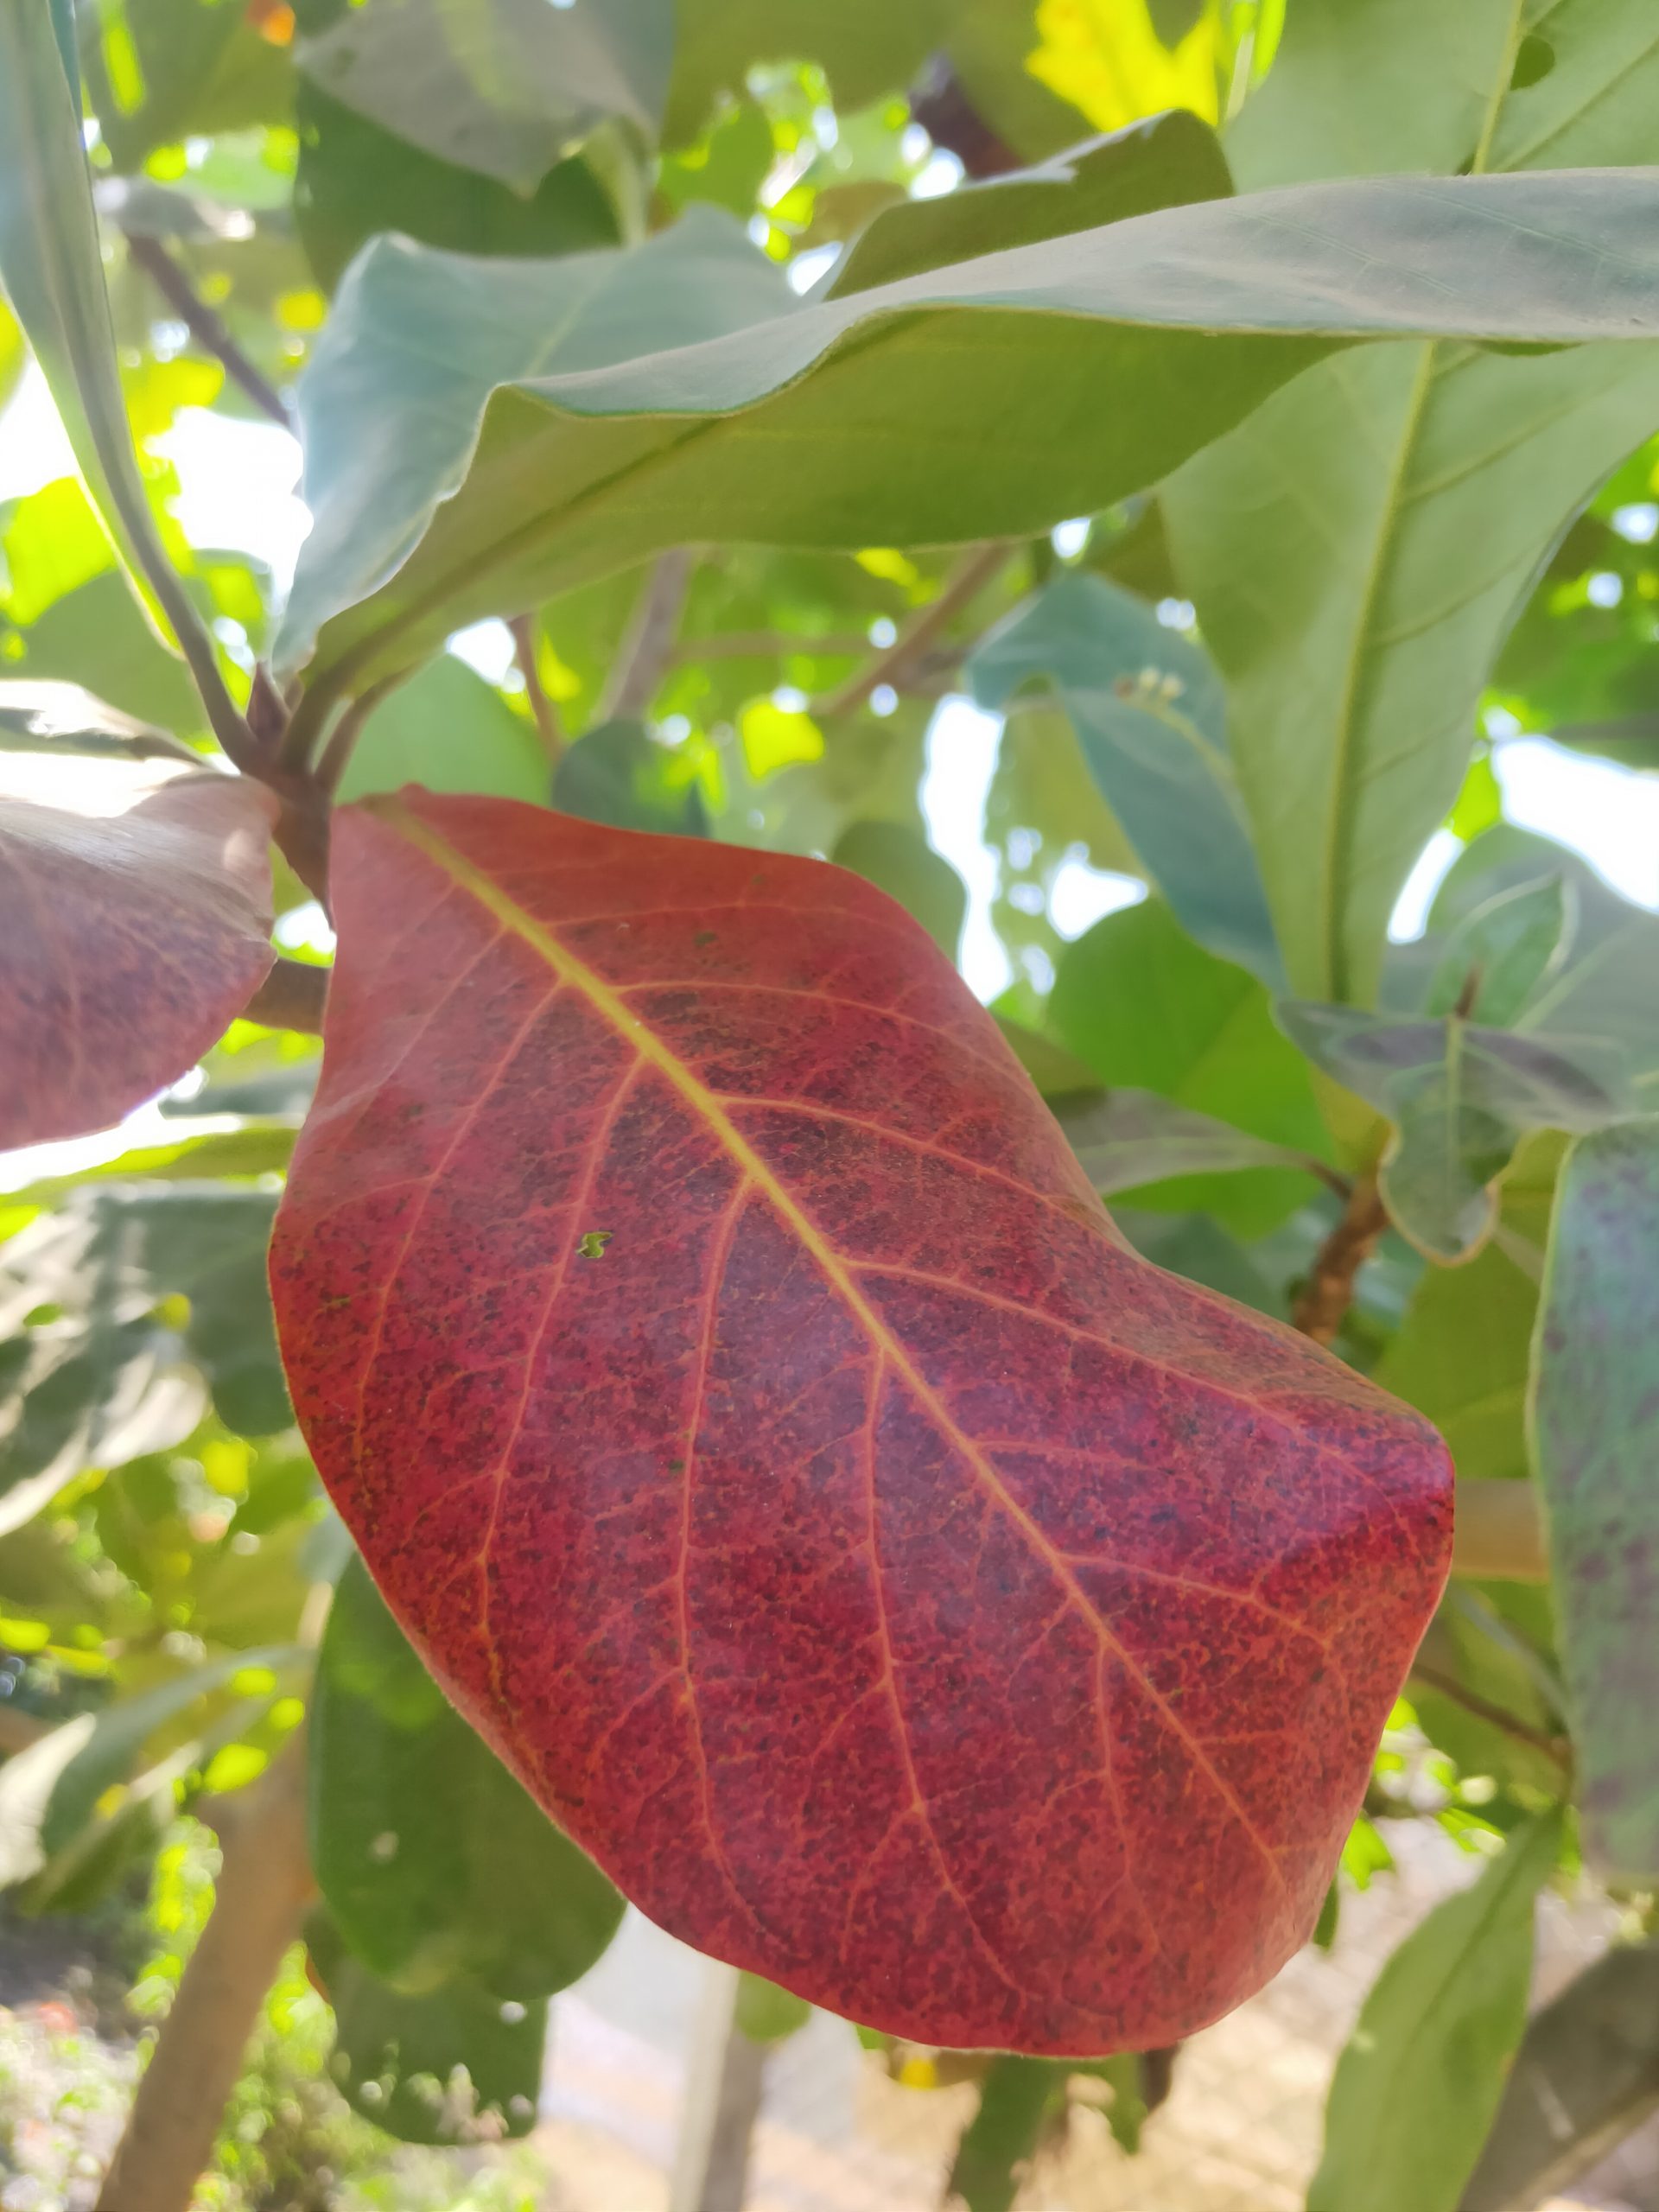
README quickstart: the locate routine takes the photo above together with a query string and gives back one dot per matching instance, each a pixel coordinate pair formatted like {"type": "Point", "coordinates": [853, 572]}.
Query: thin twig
{"type": "Point", "coordinates": [545, 715]}
{"type": "Point", "coordinates": [205, 325]}
{"type": "Point", "coordinates": [966, 580]}
{"type": "Point", "coordinates": [1498, 1716]}
{"type": "Point", "coordinates": [769, 645]}
{"type": "Point", "coordinates": [292, 996]}
{"type": "Point", "coordinates": [1322, 1303]}
{"type": "Point", "coordinates": [342, 739]}
{"type": "Point", "coordinates": [644, 656]}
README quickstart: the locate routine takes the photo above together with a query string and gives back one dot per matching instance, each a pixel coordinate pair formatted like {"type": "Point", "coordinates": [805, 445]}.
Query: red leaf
{"type": "Point", "coordinates": [900, 1587]}
{"type": "Point", "coordinates": [135, 918]}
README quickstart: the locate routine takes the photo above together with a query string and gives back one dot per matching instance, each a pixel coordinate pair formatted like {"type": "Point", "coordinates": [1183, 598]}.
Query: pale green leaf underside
{"type": "Point", "coordinates": [1358, 548]}
{"type": "Point", "coordinates": [482, 433]}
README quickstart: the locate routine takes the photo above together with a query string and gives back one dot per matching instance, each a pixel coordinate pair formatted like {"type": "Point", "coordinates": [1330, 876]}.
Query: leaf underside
{"type": "Point", "coordinates": [133, 932]}
{"type": "Point", "coordinates": [899, 1588]}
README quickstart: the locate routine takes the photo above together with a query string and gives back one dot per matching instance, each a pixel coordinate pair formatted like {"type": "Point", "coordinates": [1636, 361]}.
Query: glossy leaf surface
{"type": "Point", "coordinates": [1357, 548]}
{"type": "Point", "coordinates": [1435, 2039]}
{"type": "Point", "coordinates": [685, 395]}
{"type": "Point", "coordinates": [134, 912]}
{"type": "Point", "coordinates": [433, 1860]}
{"type": "Point", "coordinates": [1595, 1428]}
{"type": "Point", "coordinates": [755, 1423]}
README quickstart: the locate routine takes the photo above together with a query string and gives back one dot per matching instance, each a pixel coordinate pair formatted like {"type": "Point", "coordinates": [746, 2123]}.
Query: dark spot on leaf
{"type": "Point", "coordinates": [703, 937]}
{"type": "Point", "coordinates": [1533, 62]}
{"type": "Point", "coordinates": [594, 1241]}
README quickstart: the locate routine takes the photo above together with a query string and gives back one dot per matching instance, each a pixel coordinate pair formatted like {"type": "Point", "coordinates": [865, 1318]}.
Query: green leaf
{"type": "Point", "coordinates": [866, 48]}
{"type": "Point", "coordinates": [1128, 1138]}
{"type": "Point", "coordinates": [1460, 1097]}
{"type": "Point", "coordinates": [1141, 1004]}
{"type": "Point", "coordinates": [479, 436]}
{"type": "Point", "coordinates": [96, 636]}
{"type": "Point", "coordinates": [1417, 2086]}
{"type": "Point", "coordinates": [1150, 717]}
{"type": "Point", "coordinates": [506, 87]}
{"type": "Point", "coordinates": [194, 71]}
{"type": "Point", "coordinates": [1607, 987]}
{"type": "Point", "coordinates": [96, 1369]}
{"type": "Point", "coordinates": [53, 273]}
{"type": "Point", "coordinates": [1498, 957]}
{"type": "Point", "coordinates": [1595, 1429]}
{"type": "Point", "coordinates": [618, 773]}
{"type": "Point", "coordinates": [1164, 162]}
{"type": "Point", "coordinates": [900, 860]}
{"type": "Point", "coordinates": [42, 714]}
{"type": "Point", "coordinates": [434, 1861]}
{"type": "Point", "coordinates": [995, 2153]}
{"type": "Point", "coordinates": [1358, 548]}
{"type": "Point", "coordinates": [356, 180]}
{"type": "Point", "coordinates": [1587, 2075]}
{"type": "Point", "coordinates": [1463, 1351]}
{"type": "Point", "coordinates": [50, 1792]}
{"type": "Point", "coordinates": [448, 729]}
{"type": "Point", "coordinates": [766, 2013]}
{"type": "Point", "coordinates": [1059, 1075]}
{"type": "Point", "coordinates": [399, 2059]}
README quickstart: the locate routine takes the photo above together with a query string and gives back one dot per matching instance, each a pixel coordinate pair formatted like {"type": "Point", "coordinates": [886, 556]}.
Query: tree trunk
{"type": "Point", "coordinates": [263, 1886]}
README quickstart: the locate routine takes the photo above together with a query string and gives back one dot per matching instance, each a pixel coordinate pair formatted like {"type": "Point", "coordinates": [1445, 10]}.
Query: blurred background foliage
{"type": "Point", "coordinates": [166, 1559]}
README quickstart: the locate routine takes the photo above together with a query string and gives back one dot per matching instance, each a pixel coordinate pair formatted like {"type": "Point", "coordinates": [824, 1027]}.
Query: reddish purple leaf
{"type": "Point", "coordinates": [898, 1586]}
{"type": "Point", "coordinates": [134, 920]}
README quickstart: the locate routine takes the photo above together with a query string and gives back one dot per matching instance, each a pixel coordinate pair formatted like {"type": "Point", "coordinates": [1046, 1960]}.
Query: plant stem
{"type": "Point", "coordinates": [292, 996]}
{"type": "Point", "coordinates": [542, 710]}
{"type": "Point", "coordinates": [207, 327]}
{"type": "Point", "coordinates": [645, 651]}
{"type": "Point", "coordinates": [1322, 1303]}
{"type": "Point", "coordinates": [1553, 1747]}
{"type": "Point", "coordinates": [263, 1886]}
{"type": "Point", "coordinates": [966, 580]}
{"type": "Point", "coordinates": [770, 645]}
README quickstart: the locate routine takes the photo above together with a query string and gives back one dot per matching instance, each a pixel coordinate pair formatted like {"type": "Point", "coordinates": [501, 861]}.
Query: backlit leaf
{"type": "Point", "coordinates": [504, 86]}
{"type": "Point", "coordinates": [1595, 1427]}
{"type": "Point", "coordinates": [1358, 549]}
{"type": "Point", "coordinates": [134, 912]}
{"type": "Point", "coordinates": [1151, 718]}
{"type": "Point", "coordinates": [1418, 2084]}
{"type": "Point", "coordinates": [1127, 1138]}
{"type": "Point", "coordinates": [1162, 162]}
{"type": "Point", "coordinates": [860, 1486]}
{"type": "Point", "coordinates": [586, 412]}
{"type": "Point", "coordinates": [900, 860]}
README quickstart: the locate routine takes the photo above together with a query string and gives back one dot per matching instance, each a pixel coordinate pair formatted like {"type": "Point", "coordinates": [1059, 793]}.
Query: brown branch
{"type": "Point", "coordinates": [940, 104]}
{"type": "Point", "coordinates": [205, 327]}
{"type": "Point", "coordinates": [643, 658]}
{"type": "Point", "coordinates": [893, 665]}
{"type": "Point", "coordinates": [18, 1729]}
{"type": "Point", "coordinates": [545, 715]}
{"type": "Point", "coordinates": [1322, 1303]}
{"type": "Point", "coordinates": [1496, 1716]}
{"type": "Point", "coordinates": [292, 996]}
{"type": "Point", "coordinates": [264, 1885]}
{"type": "Point", "coordinates": [769, 645]}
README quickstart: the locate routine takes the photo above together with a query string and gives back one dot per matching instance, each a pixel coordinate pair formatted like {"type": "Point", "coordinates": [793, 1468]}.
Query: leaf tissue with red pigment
{"type": "Point", "coordinates": [898, 1586]}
